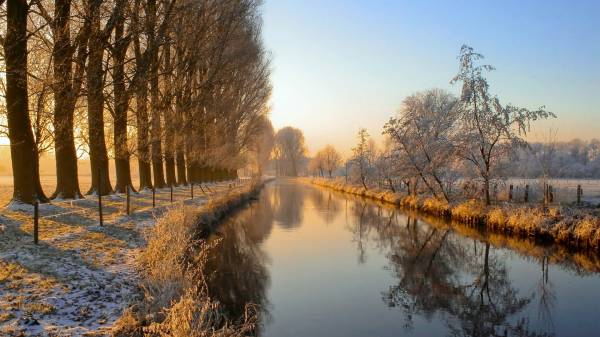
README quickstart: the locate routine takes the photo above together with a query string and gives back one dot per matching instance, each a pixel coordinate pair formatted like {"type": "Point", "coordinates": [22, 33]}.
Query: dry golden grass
{"type": "Point", "coordinates": [571, 227]}
{"type": "Point", "coordinates": [411, 201]}
{"type": "Point", "coordinates": [173, 304]}
{"type": "Point", "coordinates": [526, 221]}
{"type": "Point", "coordinates": [497, 218]}
{"type": "Point", "coordinates": [6, 316]}
{"type": "Point", "coordinates": [75, 254]}
{"type": "Point", "coordinates": [196, 315]}
{"type": "Point", "coordinates": [470, 211]}
{"type": "Point", "coordinates": [11, 271]}
{"type": "Point", "coordinates": [40, 308]}
{"type": "Point", "coordinates": [436, 206]}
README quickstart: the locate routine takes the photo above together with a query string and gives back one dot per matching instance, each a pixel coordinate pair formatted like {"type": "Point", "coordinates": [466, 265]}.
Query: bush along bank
{"type": "Point", "coordinates": [577, 228]}
{"type": "Point", "coordinates": [174, 300]}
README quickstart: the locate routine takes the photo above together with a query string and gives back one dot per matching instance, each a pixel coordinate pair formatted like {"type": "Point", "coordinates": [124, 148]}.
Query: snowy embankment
{"type": "Point", "coordinates": [81, 276]}
{"type": "Point", "coordinates": [574, 227]}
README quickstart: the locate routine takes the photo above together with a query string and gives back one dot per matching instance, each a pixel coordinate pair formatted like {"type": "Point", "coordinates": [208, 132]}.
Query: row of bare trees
{"type": "Point", "coordinates": [180, 85]}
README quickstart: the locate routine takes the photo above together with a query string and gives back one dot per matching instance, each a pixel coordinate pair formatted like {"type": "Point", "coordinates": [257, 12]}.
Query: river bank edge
{"type": "Point", "coordinates": [574, 228]}
{"type": "Point", "coordinates": [174, 299]}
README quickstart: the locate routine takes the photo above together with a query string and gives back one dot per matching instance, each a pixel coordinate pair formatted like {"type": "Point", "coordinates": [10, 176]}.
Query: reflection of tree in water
{"type": "Point", "coordinates": [439, 274]}
{"type": "Point", "coordinates": [236, 273]}
{"type": "Point", "coordinates": [288, 201]}
{"type": "Point", "coordinates": [363, 216]}
{"type": "Point", "coordinates": [546, 296]}
{"type": "Point", "coordinates": [369, 224]}
{"type": "Point", "coordinates": [258, 218]}
{"type": "Point", "coordinates": [328, 207]}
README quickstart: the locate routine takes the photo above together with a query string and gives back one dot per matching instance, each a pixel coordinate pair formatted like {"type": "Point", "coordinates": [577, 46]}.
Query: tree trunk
{"type": "Point", "coordinates": [156, 135]}
{"type": "Point", "coordinates": [486, 187]}
{"type": "Point", "coordinates": [98, 152]}
{"type": "Point", "coordinates": [181, 177]}
{"type": "Point", "coordinates": [153, 65]}
{"type": "Point", "coordinates": [179, 138]}
{"type": "Point", "coordinates": [170, 121]}
{"type": "Point", "coordinates": [122, 166]}
{"type": "Point", "coordinates": [142, 133]}
{"type": "Point", "coordinates": [67, 184]}
{"type": "Point", "coordinates": [24, 156]}
{"type": "Point", "coordinates": [391, 184]}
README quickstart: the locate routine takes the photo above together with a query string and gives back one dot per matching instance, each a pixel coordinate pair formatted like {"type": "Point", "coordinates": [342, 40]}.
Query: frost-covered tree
{"type": "Point", "coordinates": [315, 166]}
{"type": "Point", "coordinates": [262, 145]}
{"type": "Point", "coordinates": [364, 156]}
{"type": "Point", "coordinates": [290, 150]}
{"type": "Point", "coordinates": [329, 159]}
{"type": "Point", "coordinates": [489, 131]}
{"type": "Point", "coordinates": [325, 160]}
{"type": "Point", "coordinates": [423, 134]}
{"type": "Point", "coordinates": [388, 164]}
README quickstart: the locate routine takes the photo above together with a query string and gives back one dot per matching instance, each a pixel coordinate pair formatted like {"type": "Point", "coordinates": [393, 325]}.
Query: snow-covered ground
{"type": "Point", "coordinates": [81, 276]}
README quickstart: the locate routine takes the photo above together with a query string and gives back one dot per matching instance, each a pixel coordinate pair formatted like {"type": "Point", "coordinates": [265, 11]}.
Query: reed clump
{"type": "Point", "coordinates": [436, 206]}
{"type": "Point", "coordinates": [174, 300]}
{"type": "Point", "coordinates": [471, 212]}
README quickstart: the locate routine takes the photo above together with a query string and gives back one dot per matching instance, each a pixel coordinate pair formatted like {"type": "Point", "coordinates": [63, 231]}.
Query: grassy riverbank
{"type": "Point", "coordinates": [570, 226]}
{"type": "Point", "coordinates": [82, 276]}
{"type": "Point", "coordinates": [175, 300]}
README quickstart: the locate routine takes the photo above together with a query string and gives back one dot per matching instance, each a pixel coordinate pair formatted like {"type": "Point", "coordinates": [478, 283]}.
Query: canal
{"type": "Point", "coordinates": [321, 263]}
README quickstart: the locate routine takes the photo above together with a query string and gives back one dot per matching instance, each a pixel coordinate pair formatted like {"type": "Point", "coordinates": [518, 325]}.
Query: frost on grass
{"type": "Point", "coordinates": [175, 301]}
{"type": "Point", "coordinates": [574, 227]}
{"type": "Point", "coordinates": [82, 276]}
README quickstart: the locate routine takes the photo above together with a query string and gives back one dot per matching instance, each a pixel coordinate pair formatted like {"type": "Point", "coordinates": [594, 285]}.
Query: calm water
{"type": "Point", "coordinates": [321, 263]}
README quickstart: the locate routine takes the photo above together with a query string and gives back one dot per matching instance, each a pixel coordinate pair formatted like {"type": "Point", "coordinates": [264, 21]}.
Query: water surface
{"type": "Point", "coordinates": [320, 263]}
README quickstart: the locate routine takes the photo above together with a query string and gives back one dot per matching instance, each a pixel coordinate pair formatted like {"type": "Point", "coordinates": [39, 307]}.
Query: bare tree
{"type": "Point", "coordinates": [489, 131]}
{"type": "Point", "coordinates": [289, 142]}
{"type": "Point", "coordinates": [327, 160]}
{"type": "Point", "coordinates": [263, 145]}
{"type": "Point", "coordinates": [363, 156]}
{"type": "Point", "coordinates": [25, 161]}
{"type": "Point", "coordinates": [423, 133]}
{"type": "Point", "coordinates": [67, 85]}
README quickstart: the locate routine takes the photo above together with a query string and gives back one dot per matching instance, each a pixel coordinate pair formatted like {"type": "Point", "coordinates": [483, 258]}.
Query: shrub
{"type": "Point", "coordinates": [436, 206]}
{"type": "Point", "coordinates": [471, 211]}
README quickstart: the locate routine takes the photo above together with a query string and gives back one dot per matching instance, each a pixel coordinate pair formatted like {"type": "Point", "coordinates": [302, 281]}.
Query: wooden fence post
{"type": "Point", "coordinates": [526, 197]}
{"type": "Point", "coordinates": [579, 193]}
{"type": "Point", "coordinates": [192, 190]}
{"type": "Point", "coordinates": [99, 192]}
{"type": "Point", "coordinates": [171, 193]}
{"type": "Point", "coordinates": [153, 197]}
{"type": "Point", "coordinates": [36, 215]}
{"type": "Point", "coordinates": [550, 194]}
{"type": "Point", "coordinates": [128, 198]}
{"type": "Point", "coordinates": [510, 192]}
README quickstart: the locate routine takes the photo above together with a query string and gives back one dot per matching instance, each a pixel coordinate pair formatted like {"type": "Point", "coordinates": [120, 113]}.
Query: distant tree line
{"type": "Point", "coordinates": [572, 159]}
{"type": "Point", "coordinates": [181, 86]}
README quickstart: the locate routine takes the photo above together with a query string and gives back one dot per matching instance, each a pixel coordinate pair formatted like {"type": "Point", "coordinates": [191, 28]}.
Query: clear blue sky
{"type": "Point", "coordinates": [340, 65]}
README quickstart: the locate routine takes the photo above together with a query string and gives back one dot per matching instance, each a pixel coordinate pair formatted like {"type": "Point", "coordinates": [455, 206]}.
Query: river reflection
{"type": "Point", "coordinates": [319, 263]}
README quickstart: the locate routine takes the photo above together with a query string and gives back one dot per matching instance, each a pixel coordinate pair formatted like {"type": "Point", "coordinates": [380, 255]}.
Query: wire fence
{"type": "Point", "coordinates": [112, 207]}
{"type": "Point", "coordinates": [524, 190]}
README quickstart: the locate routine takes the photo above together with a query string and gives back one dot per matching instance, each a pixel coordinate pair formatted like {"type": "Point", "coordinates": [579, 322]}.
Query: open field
{"type": "Point", "coordinates": [565, 190]}
{"type": "Point", "coordinates": [81, 276]}
{"type": "Point", "coordinates": [48, 185]}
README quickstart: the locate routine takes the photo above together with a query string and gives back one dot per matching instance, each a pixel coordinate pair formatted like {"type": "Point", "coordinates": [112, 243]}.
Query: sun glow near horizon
{"type": "Point", "coordinates": [353, 69]}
